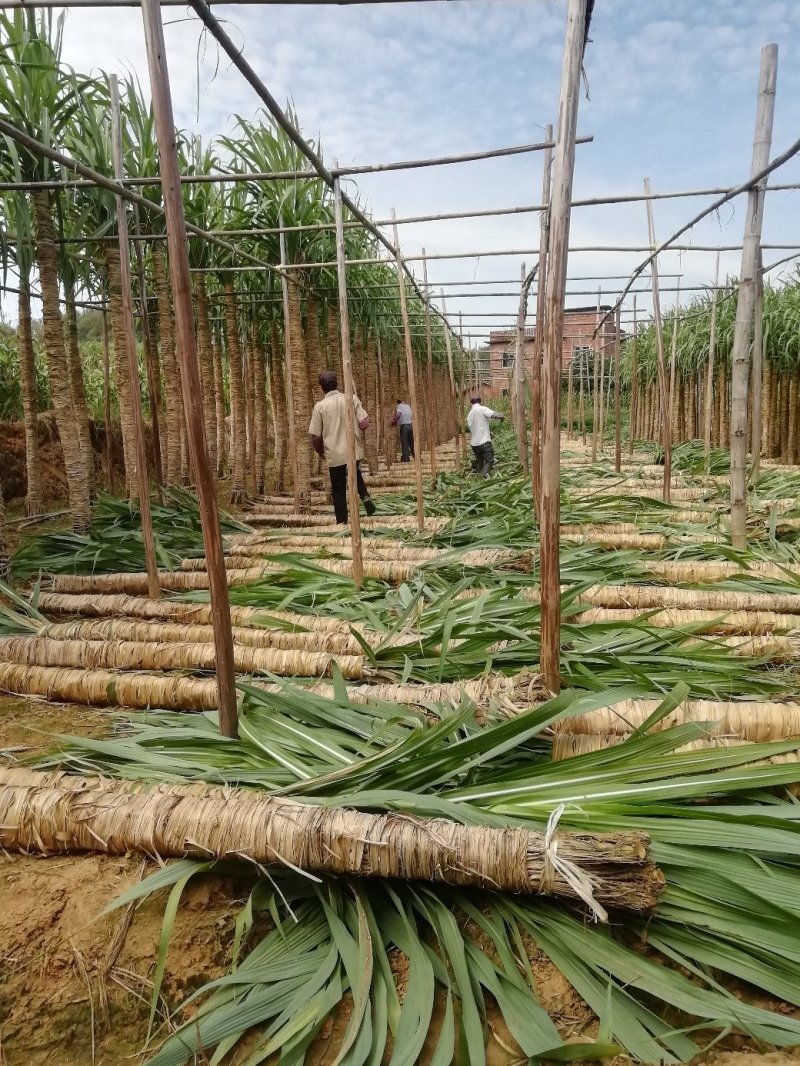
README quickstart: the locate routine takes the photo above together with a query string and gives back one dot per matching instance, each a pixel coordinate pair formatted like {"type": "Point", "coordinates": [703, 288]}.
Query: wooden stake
{"type": "Point", "coordinates": [601, 396]}
{"type": "Point", "coordinates": [430, 400]}
{"type": "Point", "coordinates": [539, 332]}
{"type": "Point", "coordinates": [107, 402]}
{"type": "Point", "coordinates": [673, 356]}
{"type": "Point", "coordinates": [190, 369]}
{"type": "Point", "coordinates": [617, 400]}
{"type": "Point", "coordinates": [412, 385]}
{"type": "Point", "coordinates": [453, 400]}
{"type": "Point", "coordinates": [666, 428]}
{"type": "Point", "coordinates": [584, 379]}
{"type": "Point", "coordinates": [598, 347]}
{"type": "Point", "coordinates": [758, 373]}
{"type": "Point", "coordinates": [634, 407]}
{"type": "Point", "coordinates": [519, 377]}
{"type": "Point", "coordinates": [349, 392]}
{"type": "Point", "coordinates": [740, 361]}
{"type": "Point", "coordinates": [139, 475]}
{"type": "Point", "coordinates": [556, 283]}
{"type": "Point", "coordinates": [287, 373]}
{"type": "Point", "coordinates": [709, 397]}
{"type": "Point", "coordinates": [569, 400]}
{"type": "Point", "coordinates": [153, 388]}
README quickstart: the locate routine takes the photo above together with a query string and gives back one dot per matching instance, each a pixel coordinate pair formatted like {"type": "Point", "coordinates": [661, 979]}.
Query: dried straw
{"type": "Point", "coordinates": [644, 597]}
{"type": "Point", "coordinates": [130, 655]}
{"type": "Point", "coordinates": [117, 818]}
{"type": "Point", "coordinates": [754, 722]}
{"type": "Point", "coordinates": [744, 622]}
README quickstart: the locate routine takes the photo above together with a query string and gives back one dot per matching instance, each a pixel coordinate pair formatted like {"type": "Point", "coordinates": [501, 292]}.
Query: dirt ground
{"type": "Point", "coordinates": [75, 984]}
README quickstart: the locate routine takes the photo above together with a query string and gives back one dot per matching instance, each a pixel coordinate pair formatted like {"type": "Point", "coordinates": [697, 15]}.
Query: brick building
{"type": "Point", "coordinates": [579, 326]}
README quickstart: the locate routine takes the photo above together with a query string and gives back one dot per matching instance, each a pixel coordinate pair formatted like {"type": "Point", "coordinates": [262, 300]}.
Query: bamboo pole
{"type": "Point", "coordinates": [584, 378]}
{"type": "Point", "coordinates": [349, 393]}
{"type": "Point", "coordinates": [287, 374]}
{"type": "Point", "coordinates": [107, 401]}
{"type": "Point", "coordinates": [190, 370]}
{"type": "Point", "coordinates": [519, 376]}
{"type": "Point", "coordinates": [673, 356]}
{"type": "Point", "coordinates": [153, 389]}
{"type": "Point", "coordinates": [555, 283]}
{"type": "Point", "coordinates": [666, 429]}
{"type": "Point", "coordinates": [138, 476]}
{"type": "Point", "coordinates": [709, 397]}
{"type": "Point", "coordinates": [634, 404]}
{"type": "Point", "coordinates": [758, 373]}
{"type": "Point", "coordinates": [596, 386]}
{"type": "Point", "coordinates": [451, 375]}
{"type": "Point", "coordinates": [740, 369]}
{"type": "Point", "coordinates": [412, 385]}
{"type": "Point", "coordinates": [430, 421]}
{"type": "Point", "coordinates": [617, 401]}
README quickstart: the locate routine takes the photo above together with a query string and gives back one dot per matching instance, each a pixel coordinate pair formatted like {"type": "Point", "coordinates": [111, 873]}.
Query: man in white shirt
{"type": "Point", "coordinates": [480, 436]}
{"type": "Point", "coordinates": [328, 435]}
{"type": "Point", "coordinates": [403, 418]}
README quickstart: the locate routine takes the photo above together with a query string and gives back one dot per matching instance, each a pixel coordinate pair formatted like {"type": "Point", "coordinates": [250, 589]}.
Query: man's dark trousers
{"type": "Point", "coordinates": [339, 489]}
{"type": "Point", "coordinates": [406, 443]}
{"type": "Point", "coordinates": [484, 458]}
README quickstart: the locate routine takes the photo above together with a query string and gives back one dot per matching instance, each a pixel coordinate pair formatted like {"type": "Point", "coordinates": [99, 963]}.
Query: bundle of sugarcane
{"type": "Point", "coordinates": [130, 655]}
{"type": "Point", "coordinates": [768, 648]}
{"type": "Point", "coordinates": [134, 690]}
{"type": "Point", "coordinates": [141, 690]}
{"type": "Point", "coordinates": [44, 816]}
{"type": "Point", "coordinates": [644, 597]}
{"type": "Point", "coordinates": [629, 490]}
{"type": "Point", "coordinates": [376, 550]}
{"type": "Point", "coordinates": [642, 541]}
{"type": "Point", "coordinates": [700, 572]}
{"type": "Point", "coordinates": [183, 633]}
{"type": "Point", "coordinates": [242, 570]}
{"type": "Point", "coordinates": [754, 722]}
{"type": "Point", "coordinates": [308, 540]}
{"type": "Point", "coordinates": [289, 520]}
{"type": "Point", "coordinates": [753, 622]}
{"type": "Point", "coordinates": [120, 605]}
{"type": "Point", "coordinates": [589, 530]}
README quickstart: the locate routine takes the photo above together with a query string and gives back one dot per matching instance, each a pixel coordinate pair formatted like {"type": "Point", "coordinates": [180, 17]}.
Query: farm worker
{"type": "Point", "coordinates": [328, 434]}
{"type": "Point", "coordinates": [405, 419]}
{"type": "Point", "coordinates": [480, 436]}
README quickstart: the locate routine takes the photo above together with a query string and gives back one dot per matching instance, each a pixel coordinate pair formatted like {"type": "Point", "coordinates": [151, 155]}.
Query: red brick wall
{"type": "Point", "coordinates": [579, 327]}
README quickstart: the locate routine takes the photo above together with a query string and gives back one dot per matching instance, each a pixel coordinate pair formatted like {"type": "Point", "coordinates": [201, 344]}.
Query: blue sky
{"type": "Point", "coordinates": [671, 95]}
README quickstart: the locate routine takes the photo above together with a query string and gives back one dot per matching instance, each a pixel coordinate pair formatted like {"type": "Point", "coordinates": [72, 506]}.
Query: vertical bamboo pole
{"type": "Point", "coordinates": [519, 377]}
{"type": "Point", "coordinates": [349, 391]}
{"type": "Point", "coordinates": [190, 369]}
{"type": "Point", "coordinates": [709, 396]}
{"type": "Point", "coordinates": [539, 333]}
{"type": "Point", "coordinates": [430, 399]}
{"type": "Point", "coordinates": [634, 404]}
{"type": "Point", "coordinates": [617, 399]}
{"type": "Point", "coordinates": [758, 372]}
{"type": "Point", "coordinates": [287, 371]}
{"type": "Point", "coordinates": [569, 399]}
{"type": "Point", "coordinates": [584, 380]}
{"type": "Point", "coordinates": [153, 390]}
{"type": "Point", "coordinates": [601, 397]}
{"type": "Point", "coordinates": [596, 402]}
{"type": "Point", "coordinates": [107, 402]}
{"type": "Point", "coordinates": [740, 370]}
{"type": "Point", "coordinates": [666, 428]}
{"type": "Point", "coordinates": [673, 355]}
{"type": "Point", "coordinates": [556, 284]}
{"type": "Point", "coordinates": [412, 385]}
{"type": "Point", "coordinates": [139, 475]}
{"type": "Point", "coordinates": [451, 375]}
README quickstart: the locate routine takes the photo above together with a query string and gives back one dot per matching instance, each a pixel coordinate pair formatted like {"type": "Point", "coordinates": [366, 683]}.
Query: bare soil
{"type": "Point", "coordinates": [75, 983]}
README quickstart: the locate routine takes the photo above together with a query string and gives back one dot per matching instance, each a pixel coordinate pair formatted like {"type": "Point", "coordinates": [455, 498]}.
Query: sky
{"type": "Point", "coordinates": [669, 94]}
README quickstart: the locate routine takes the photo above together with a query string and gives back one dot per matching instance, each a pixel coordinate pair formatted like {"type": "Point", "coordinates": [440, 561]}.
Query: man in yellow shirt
{"type": "Point", "coordinates": [328, 434]}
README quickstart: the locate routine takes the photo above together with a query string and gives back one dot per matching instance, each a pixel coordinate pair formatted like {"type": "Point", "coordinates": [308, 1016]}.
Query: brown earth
{"type": "Point", "coordinates": [75, 983]}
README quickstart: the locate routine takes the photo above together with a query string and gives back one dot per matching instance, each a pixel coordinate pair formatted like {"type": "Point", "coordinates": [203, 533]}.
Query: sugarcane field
{"type": "Point", "coordinates": [399, 533]}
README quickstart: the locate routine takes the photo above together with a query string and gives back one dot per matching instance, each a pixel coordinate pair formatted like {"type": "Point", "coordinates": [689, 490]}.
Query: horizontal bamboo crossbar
{"type": "Point", "coordinates": [47, 816]}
